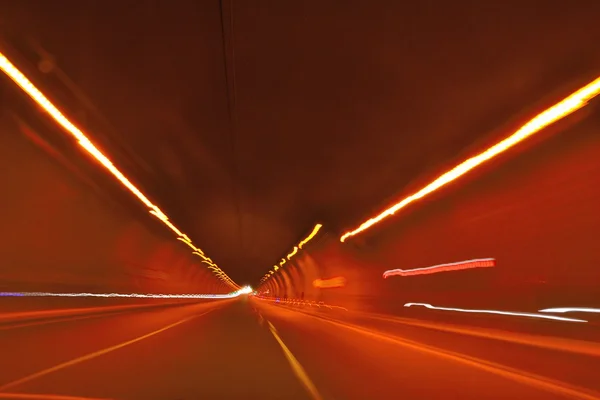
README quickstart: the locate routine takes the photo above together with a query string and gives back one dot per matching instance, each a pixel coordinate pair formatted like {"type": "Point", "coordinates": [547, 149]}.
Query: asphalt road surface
{"type": "Point", "coordinates": [246, 348]}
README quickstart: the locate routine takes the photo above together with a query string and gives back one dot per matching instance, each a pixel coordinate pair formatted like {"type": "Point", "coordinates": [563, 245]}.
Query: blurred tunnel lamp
{"type": "Point", "coordinates": [36, 95]}
{"type": "Point", "coordinates": [314, 232]}
{"type": "Point", "coordinates": [244, 290]}
{"type": "Point", "coordinates": [455, 266]}
{"type": "Point", "coordinates": [558, 111]}
{"type": "Point", "coordinates": [337, 282]}
{"type": "Point", "coordinates": [294, 251]}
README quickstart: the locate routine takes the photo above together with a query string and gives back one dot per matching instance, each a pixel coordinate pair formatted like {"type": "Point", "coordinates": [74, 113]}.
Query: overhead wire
{"type": "Point", "coordinates": [231, 93]}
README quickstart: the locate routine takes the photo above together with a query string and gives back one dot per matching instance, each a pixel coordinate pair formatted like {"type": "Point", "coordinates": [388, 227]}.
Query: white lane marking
{"type": "Point", "coordinates": [514, 374]}
{"type": "Point", "coordinates": [296, 366]}
{"type": "Point", "coordinates": [90, 356]}
{"type": "Point", "coordinates": [61, 319]}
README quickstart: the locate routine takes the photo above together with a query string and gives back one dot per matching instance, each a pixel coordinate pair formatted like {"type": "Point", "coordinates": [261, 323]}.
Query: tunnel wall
{"type": "Point", "coordinates": [536, 211]}
{"type": "Point", "coordinates": [57, 234]}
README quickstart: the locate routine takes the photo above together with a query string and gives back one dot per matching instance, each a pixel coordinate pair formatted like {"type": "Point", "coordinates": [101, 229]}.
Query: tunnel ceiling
{"type": "Point", "coordinates": [250, 121]}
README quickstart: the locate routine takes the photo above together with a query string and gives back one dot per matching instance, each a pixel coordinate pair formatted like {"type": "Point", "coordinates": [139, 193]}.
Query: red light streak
{"type": "Point", "coordinates": [456, 266]}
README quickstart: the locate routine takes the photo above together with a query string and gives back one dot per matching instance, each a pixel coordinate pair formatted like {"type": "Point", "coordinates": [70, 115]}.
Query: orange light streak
{"type": "Point", "coordinates": [337, 282]}
{"type": "Point", "coordinates": [560, 110]}
{"type": "Point", "coordinates": [36, 95]}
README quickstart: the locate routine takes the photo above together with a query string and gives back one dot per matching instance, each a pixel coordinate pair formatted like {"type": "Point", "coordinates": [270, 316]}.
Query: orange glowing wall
{"type": "Point", "coordinates": [57, 234]}
{"type": "Point", "coordinates": [536, 211]}
{"type": "Point", "coordinates": [323, 259]}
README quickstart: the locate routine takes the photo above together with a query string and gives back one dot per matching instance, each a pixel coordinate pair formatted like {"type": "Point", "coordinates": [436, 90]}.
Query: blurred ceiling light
{"type": "Point", "coordinates": [295, 250]}
{"type": "Point", "coordinates": [560, 110]}
{"type": "Point", "coordinates": [32, 91]}
{"type": "Point", "coordinates": [314, 232]}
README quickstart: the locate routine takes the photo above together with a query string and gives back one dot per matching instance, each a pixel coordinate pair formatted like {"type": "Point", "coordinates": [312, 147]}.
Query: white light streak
{"type": "Point", "coordinates": [510, 313]}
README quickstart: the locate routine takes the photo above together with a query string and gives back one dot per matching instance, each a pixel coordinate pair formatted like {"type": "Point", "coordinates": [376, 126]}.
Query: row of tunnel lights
{"type": "Point", "coordinates": [38, 97]}
{"type": "Point", "coordinates": [294, 251]}
{"type": "Point", "coordinates": [560, 110]}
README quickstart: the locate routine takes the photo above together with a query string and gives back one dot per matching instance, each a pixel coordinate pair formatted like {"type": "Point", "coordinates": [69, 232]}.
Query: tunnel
{"type": "Point", "coordinates": [299, 200]}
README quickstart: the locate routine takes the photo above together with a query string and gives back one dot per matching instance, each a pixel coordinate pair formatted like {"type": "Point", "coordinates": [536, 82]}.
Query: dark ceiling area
{"type": "Point", "coordinates": [250, 121]}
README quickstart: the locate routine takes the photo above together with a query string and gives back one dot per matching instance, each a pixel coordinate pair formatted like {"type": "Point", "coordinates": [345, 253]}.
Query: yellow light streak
{"type": "Point", "coordinates": [560, 110]}
{"type": "Point", "coordinates": [38, 97]}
